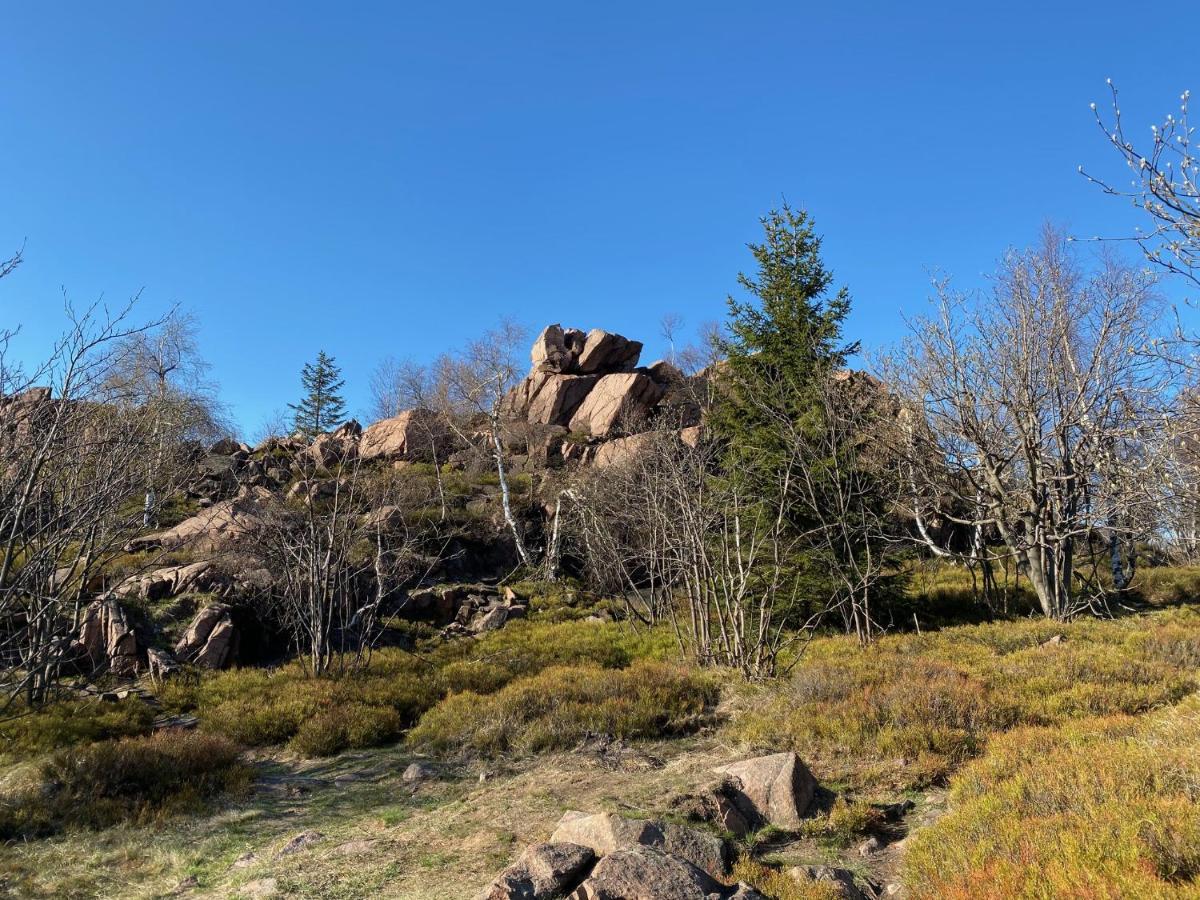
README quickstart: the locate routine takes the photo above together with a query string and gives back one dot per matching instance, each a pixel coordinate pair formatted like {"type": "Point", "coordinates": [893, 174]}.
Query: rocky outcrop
{"type": "Point", "coordinates": [548, 398]}
{"type": "Point", "coordinates": [622, 400]}
{"type": "Point", "coordinates": [556, 349]}
{"type": "Point", "coordinates": [771, 790]}
{"type": "Point", "coordinates": [211, 641]}
{"type": "Point", "coordinates": [606, 352]}
{"type": "Point", "coordinates": [335, 447]}
{"type": "Point", "coordinates": [542, 872]}
{"type": "Point", "coordinates": [412, 436]}
{"type": "Point", "coordinates": [220, 528]}
{"type": "Point", "coordinates": [106, 640]}
{"type": "Point", "coordinates": [171, 581]}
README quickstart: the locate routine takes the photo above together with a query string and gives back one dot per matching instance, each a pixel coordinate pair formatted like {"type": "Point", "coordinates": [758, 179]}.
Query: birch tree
{"type": "Point", "coordinates": [1037, 410]}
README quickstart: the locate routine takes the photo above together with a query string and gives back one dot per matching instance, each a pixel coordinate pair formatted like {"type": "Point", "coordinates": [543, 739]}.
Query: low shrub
{"type": "Point", "coordinates": [780, 885]}
{"type": "Point", "coordinates": [845, 822]}
{"type": "Point", "coordinates": [73, 723]}
{"type": "Point", "coordinates": [353, 726]}
{"type": "Point", "coordinates": [930, 702]}
{"type": "Point", "coordinates": [137, 779]}
{"type": "Point", "coordinates": [557, 707]}
{"type": "Point", "coordinates": [1105, 807]}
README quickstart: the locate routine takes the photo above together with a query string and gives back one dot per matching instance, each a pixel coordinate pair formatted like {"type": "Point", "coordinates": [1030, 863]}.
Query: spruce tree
{"type": "Point", "coordinates": [322, 407]}
{"type": "Point", "coordinates": [784, 342]}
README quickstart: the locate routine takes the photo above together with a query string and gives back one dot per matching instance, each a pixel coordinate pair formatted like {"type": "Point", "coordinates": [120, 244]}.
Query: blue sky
{"type": "Point", "coordinates": [389, 179]}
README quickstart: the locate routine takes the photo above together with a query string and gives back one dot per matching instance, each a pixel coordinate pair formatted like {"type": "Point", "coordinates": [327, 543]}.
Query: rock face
{"type": "Point", "coordinates": [107, 639]}
{"type": "Point", "coordinates": [607, 352]}
{"type": "Point", "coordinates": [605, 833]}
{"type": "Point", "coordinates": [411, 436]}
{"type": "Point", "coordinates": [556, 349]}
{"type": "Point", "coordinates": [775, 790]}
{"type": "Point", "coordinates": [171, 581]}
{"type": "Point", "coordinates": [549, 398]}
{"type": "Point", "coordinates": [221, 527]}
{"type": "Point", "coordinates": [211, 641]}
{"type": "Point", "coordinates": [623, 399]}
{"type": "Point", "coordinates": [542, 872]}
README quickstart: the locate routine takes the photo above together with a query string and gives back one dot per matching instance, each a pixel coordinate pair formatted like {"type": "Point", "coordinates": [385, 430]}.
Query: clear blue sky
{"type": "Point", "coordinates": [388, 178]}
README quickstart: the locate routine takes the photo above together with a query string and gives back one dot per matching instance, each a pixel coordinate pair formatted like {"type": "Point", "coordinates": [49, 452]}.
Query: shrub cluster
{"type": "Point", "coordinates": [136, 779]}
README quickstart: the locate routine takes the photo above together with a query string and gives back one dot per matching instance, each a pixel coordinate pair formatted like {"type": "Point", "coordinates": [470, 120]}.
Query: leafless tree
{"type": "Point", "coordinates": [160, 371]}
{"type": "Point", "coordinates": [342, 544]}
{"type": "Point", "coordinates": [73, 465]}
{"type": "Point", "coordinates": [1036, 412]}
{"type": "Point", "coordinates": [1165, 185]}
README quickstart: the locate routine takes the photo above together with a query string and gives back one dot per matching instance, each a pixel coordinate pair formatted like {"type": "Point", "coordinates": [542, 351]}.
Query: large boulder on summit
{"type": "Point", "coordinates": [556, 349]}
{"type": "Point", "coordinates": [604, 351]}
{"type": "Point", "coordinates": [107, 640]}
{"type": "Point", "coordinates": [412, 436]}
{"type": "Point", "coordinates": [221, 527]}
{"type": "Point", "coordinates": [776, 789]}
{"type": "Point", "coordinates": [542, 872]}
{"type": "Point", "coordinates": [606, 833]}
{"type": "Point", "coordinates": [620, 400]}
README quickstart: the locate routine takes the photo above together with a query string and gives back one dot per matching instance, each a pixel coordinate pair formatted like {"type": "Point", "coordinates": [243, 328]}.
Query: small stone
{"type": "Point", "coordinates": [301, 842]}
{"type": "Point", "coordinates": [418, 771]}
{"type": "Point", "coordinates": [261, 888]}
{"type": "Point", "coordinates": [245, 860]}
{"type": "Point", "coordinates": [870, 847]}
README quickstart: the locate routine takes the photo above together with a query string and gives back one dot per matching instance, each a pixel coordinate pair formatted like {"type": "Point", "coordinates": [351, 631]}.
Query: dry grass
{"type": "Point", "coordinates": [1104, 807]}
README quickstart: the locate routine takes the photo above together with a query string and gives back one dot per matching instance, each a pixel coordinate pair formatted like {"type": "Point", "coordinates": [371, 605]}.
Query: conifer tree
{"type": "Point", "coordinates": [784, 343]}
{"type": "Point", "coordinates": [322, 407]}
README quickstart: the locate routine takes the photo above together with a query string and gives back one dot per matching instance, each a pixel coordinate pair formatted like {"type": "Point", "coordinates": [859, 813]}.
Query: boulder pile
{"type": "Point", "coordinates": [590, 385]}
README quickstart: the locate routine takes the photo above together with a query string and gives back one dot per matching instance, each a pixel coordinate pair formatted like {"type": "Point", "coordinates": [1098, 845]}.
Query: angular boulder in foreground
{"type": "Point", "coordinates": [542, 872]}
{"type": "Point", "coordinates": [775, 790]}
{"type": "Point", "coordinates": [606, 833]}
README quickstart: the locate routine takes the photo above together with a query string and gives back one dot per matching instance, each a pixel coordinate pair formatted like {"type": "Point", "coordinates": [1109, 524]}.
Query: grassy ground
{"type": "Point", "coordinates": [1033, 751]}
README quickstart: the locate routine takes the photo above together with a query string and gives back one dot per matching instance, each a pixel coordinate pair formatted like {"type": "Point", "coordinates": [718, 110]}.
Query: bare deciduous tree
{"type": "Point", "coordinates": [1038, 412]}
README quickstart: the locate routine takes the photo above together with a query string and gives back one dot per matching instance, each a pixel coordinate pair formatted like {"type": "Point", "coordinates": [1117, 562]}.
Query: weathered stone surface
{"type": "Point", "coordinates": [337, 446]}
{"type": "Point", "coordinates": [211, 640]}
{"type": "Point", "coordinates": [107, 638]}
{"type": "Point", "coordinates": [412, 436]}
{"type": "Point", "coordinates": [665, 373]}
{"type": "Point", "coordinates": [311, 490]}
{"type": "Point", "coordinates": [556, 349]}
{"type": "Point", "coordinates": [618, 400]}
{"type": "Point", "coordinates": [549, 398]}
{"type": "Point", "coordinates": [161, 664]}
{"type": "Point", "coordinates": [300, 842]}
{"type": "Point", "coordinates": [171, 581]}
{"type": "Point", "coordinates": [604, 351]}
{"type": "Point", "coordinates": [622, 451]}
{"type": "Point", "coordinates": [491, 620]}
{"type": "Point", "coordinates": [221, 527]}
{"type": "Point", "coordinates": [776, 789]}
{"type": "Point", "coordinates": [542, 872]}
{"type": "Point", "coordinates": [606, 833]}
{"type": "Point", "coordinates": [841, 880]}
{"type": "Point", "coordinates": [418, 771]}
{"type": "Point", "coordinates": [647, 873]}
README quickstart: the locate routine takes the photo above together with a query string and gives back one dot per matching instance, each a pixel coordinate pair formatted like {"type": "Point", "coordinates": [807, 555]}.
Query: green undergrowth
{"type": "Point", "coordinates": [135, 779]}
{"type": "Point", "coordinates": [918, 706]}
{"type": "Point", "coordinates": [322, 716]}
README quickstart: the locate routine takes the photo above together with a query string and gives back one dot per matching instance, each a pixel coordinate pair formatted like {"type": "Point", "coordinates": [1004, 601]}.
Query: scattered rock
{"type": "Point", "coordinates": [106, 639]}
{"type": "Point", "coordinates": [246, 860]}
{"type": "Point", "coordinates": [171, 581]}
{"type": "Point", "coordinates": [1055, 641]}
{"type": "Point", "coordinates": [300, 842]}
{"type": "Point", "coordinates": [161, 664]}
{"type": "Point", "coordinates": [542, 872]}
{"type": "Point", "coordinates": [220, 528]}
{"type": "Point", "coordinates": [870, 847]}
{"type": "Point", "coordinates": [647, 873]}
{"type": "Point", "coordinates": [412, 436]}
{"type": "Point", "coordinates": [841, 880]}
{"type": "Point", "coordinates": [356, 848]}
{"type": "Point", "coordinates": [418, 771]}
{"type": "Point", "coordinates": [776, 789]}
{"type": "Point", "coordinates": [606, 833]}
